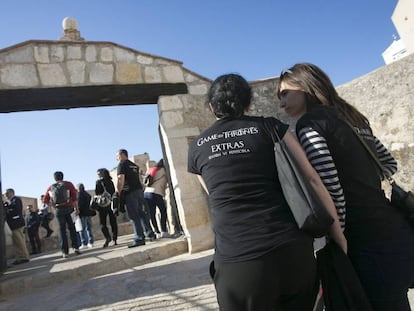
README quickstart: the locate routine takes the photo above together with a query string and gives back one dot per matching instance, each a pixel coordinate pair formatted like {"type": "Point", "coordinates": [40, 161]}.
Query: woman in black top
{"type": "Point", "coordinates": [380, 240]}
{"type": "Point", "coordinates": [262, 260]}
{"type": "Point", "coordinates": [103, 183]}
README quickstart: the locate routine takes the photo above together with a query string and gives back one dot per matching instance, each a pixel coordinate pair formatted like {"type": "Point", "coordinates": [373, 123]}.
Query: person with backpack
{"type": "Point", "coordinates": [64, 198]}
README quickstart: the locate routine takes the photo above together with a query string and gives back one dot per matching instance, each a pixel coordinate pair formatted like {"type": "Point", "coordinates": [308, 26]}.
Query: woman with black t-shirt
{"type": "Point", "coordinates": [380, 240]}
{"type": "Point", "coordinates": [262, 260]}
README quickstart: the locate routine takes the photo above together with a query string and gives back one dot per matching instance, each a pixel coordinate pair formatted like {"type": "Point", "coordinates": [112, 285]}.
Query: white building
{"type": "Point", "coordinates": [403, 20]}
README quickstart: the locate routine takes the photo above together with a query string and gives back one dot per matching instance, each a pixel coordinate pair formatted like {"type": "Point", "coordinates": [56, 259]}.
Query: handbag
{"type": "Point", "coordinates": [308, 210]}
{"type": "Point", "coordinates": [342, 289]}
{"type": "Point", "coordinates": [400, 199]}
{"type": "Point", "coordinates": [104, 199]}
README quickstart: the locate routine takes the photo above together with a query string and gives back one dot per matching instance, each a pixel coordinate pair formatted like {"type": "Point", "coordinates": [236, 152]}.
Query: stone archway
{"type": "Point", "coordinates": [73, 73]}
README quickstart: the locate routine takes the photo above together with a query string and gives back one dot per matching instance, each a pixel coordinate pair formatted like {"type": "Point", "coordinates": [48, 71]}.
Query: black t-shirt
{"type": "Point", "coordinates": [131, 172]}
{"type": "Point", "coordinates": [250, 216]}
{"type": "Point", "coordinates": [370, 219]}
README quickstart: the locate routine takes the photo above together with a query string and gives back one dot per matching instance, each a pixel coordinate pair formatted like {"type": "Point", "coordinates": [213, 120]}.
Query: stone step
{"type": "Point", "coordinates": [52, 243]}
{"type": "Point", "coordinates": [49, 268]}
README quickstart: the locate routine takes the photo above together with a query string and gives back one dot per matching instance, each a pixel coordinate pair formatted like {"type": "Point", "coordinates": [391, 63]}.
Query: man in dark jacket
{"type": "Point", "coordinates": [15, 220]}
{"type": "Point", "coordinates": [85, 214]}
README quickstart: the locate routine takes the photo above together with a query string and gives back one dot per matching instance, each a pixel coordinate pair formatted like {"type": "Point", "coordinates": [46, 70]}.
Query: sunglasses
{"type": "Point", "coordinates": [285, 72]}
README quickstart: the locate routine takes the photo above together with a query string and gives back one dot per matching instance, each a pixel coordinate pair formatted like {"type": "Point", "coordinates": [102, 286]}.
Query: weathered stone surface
{"type": "Point", "coordinates": [199, 89]}
{"type": "Point", "coordinates": [51, 75]}
{"type": "Point", "coordinates": [57, 54]}
{"type": "Point", "coordinates": [41, 54]}
{"type": "Point", "coordinates": [76, 70]}
{"type": "Point", "coordinates": [107, 54]}
{"type": "Point", "coordinates": [101, 73]}
{"type": "Point", "coordinates": [128, 73]}
{"type": "Point", "coordinates": [144, 60]}
{"type": "Point", "coordinates": [173, 74]}
{"type": "Point", "coordinates": [170, 103]}
{"type": "Point", "coordinates": [18, 76]}
{"type": "Point", "coordinates": [152, 75]}
{"type": "Point", "coordinates": [91, 53]}
{"type": "Point", "coordinates": [172, 118]}
{"type": "Point", "coordinates": [122, 55]}
{"type": "Point", "coordinates": [74, 52]}
{"type": "Point", "coordinates": [21, 55]}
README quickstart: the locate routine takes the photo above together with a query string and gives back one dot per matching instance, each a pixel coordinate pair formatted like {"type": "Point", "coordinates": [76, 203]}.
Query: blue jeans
{"type": "Point", "coordinates": [64, 219]}
{"type": "Point", "coordinates": [134, 206]}
{"type": "Point", "coordinates": [86, 236]}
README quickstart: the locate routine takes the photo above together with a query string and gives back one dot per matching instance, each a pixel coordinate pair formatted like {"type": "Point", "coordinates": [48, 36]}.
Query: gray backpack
{"type": "Point", "coordinates": [59, 193]}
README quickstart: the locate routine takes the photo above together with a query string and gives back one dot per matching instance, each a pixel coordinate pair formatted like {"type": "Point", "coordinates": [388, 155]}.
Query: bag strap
{"type": "Point", "coordinates": [272, 131]}
{"type": "Point", "coordinates": [103, 185]}
{"type": "Point", "coordinates": [158, 178]}
{"type": "Point", "coordinates": [370, 152]}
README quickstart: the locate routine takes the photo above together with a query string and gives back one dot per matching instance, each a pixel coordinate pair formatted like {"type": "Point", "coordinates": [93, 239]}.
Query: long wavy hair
{"type": "Point", "coordinates": [319, 90]}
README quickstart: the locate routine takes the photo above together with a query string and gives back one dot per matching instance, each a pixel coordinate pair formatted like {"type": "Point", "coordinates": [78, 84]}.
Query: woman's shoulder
{"type": "Point", "coordinates": [322, 117]}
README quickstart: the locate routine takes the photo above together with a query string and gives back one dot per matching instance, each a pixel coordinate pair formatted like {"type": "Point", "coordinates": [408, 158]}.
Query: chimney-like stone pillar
{"type": "Point", "coordinates": [70, 30]}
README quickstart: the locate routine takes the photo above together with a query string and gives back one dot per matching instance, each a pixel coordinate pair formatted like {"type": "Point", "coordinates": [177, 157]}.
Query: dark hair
{"type": "Point", "coordinates": [229, 96]}
{"type": "Point", "coordinates": [104, 172]}
{"type": "Point", "coordinates": [123, 151]}
{"type": "Point", "coordinates": [58, 176]}
{"type": "Point", "coordinates": [319, 90]}
{"type": "Point", "coordinates": [81, 187]}
{"type": "Point", "coordinates": [160, 163]}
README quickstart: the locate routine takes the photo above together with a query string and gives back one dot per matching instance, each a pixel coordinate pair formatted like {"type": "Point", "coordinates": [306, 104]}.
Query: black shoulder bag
{"type": "Point", "coordinates": [401, 199]}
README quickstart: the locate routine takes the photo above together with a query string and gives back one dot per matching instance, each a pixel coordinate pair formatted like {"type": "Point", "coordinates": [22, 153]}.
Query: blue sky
{"type": "Point", "coordinates": [256, 39]}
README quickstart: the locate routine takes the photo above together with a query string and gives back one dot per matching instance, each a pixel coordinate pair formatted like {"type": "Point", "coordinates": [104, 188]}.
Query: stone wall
{"type": "Point", "coordinates": [386, 97]}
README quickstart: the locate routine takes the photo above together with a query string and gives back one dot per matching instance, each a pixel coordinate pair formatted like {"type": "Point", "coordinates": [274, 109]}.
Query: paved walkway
{"type": "Point", "coordinates": [158, 276]}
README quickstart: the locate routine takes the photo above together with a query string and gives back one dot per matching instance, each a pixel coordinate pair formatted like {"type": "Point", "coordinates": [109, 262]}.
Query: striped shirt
{"type": "Point", "coordinates": [319, 156]}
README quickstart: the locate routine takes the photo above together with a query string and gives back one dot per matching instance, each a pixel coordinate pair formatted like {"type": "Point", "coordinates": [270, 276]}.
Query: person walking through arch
{"type": "Point", "coordinates": [64, 198]}
{"type": "Point", "coordinates": [104, 183]}
{"type": "Point", "coordinates": [154, 195]}
{"type": "Point", "coordinates": [85, 214]}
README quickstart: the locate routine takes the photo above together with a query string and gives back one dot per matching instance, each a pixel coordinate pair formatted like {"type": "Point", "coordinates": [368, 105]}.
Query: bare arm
{"type": "Point", "coordinates": [309, 173]}
{"type": "Point", "coordinates": [120, 183]}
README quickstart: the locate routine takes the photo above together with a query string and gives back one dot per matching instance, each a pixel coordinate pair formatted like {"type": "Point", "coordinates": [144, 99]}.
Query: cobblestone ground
{"type": "Point", "coordinates": [179, 283]}
{"type": "Point", "coordinates": [201, 298]}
